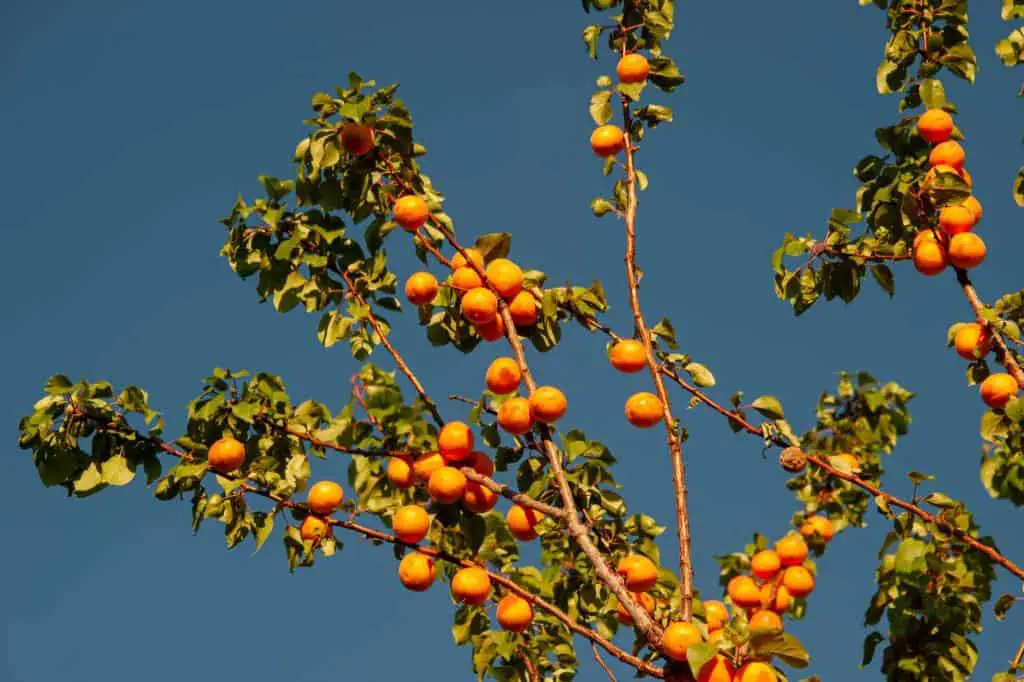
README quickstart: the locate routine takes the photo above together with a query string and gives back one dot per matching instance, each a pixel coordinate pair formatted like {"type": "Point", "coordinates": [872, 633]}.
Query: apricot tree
{"type": "Point", "coordinates": [429, 486]}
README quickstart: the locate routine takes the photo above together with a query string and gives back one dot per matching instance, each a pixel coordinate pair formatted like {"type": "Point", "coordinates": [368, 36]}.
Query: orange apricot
{"type": "Point", "coordinates": [972, 204]}
{"type": "Point", "coordinates": [783, 599]}
{"type": "Point", "coordinates": [628, 356]}
{"type": "Point", "coordinates": [646, 602]}
{"type": "Point", "coordinates": [547, 404]}
{"type": "Point", "coordinates": [718, 669]}
{"type": "Point", "coordinates": [505, 277]}
{"type": "Point", "coordinates": [455, 442]}
{"type": "Point", "coordinates": [607, 140]}
{"type": "Point", "coordinates": [523, 309]}
{"type": "Point", "coordinates": [471, 585]}
{"type": "Point", "coordinates": [411, 212]}
{"type": "Point", "coordinates": [514, 613]}
{"type": "Point", "coordinates": [226, 455]}
{"type": "Point", "coordinates": [677, 638]}
{"type": "Point", "coordinates": [639, 572]}
{"type": "Point", "coordinates": [935, 125]}
{"type": "Point", "coordinates": [426, 464]}
{"type": "Point", "coordinates": [324, 497]}
{"type": "Point", "coordinates": [716, 615]}
{"type": "Point", "coordinates": [792, 550]}
{"type": "Point", "coordinates": [480, 306]}
{"type": "Point", "coordinates": [633, 68]}
{"type": "Point", "coordinates": [930, 257]}
{"type": "Point", "coordinates": [399, 472]}
{"type": "Point", "coordinates": [948, 153]}
{"type": "Point", "coordinates": [477, 498]}
{"type": "Point", "coordinates": [998, 389]}
{"type": "Point", "coordinates": [756, 671]}
{"type": "Point", "coordinates": [966, 250]}
{"type": "Point", "coordinates": [644, 410]}
{"type": "Point", "coordinates": [514, 416]}
{"type": "Point", "coordinates": [817, 525]}
{"type": "Point", "coordinates": [447, 485]}
{"type": "Point", "coordinates": [765, 620]}
{"type": "Point", "coordinates": [956, 219]}
{"type": "Point", "coordinates": [492, 331]}
{"type": "Point", "coordinates": [416, 571]}
{"type": "Point", "coordinates": [798, 580]}
{"type": "Point", "coordinates": [475, 257]}
{"type": "Point", "coordinates": [503, 376]}
{"type": "Point", "coordinates": [464, 279]}
{"type": "Point", "coordinates": [743, 591]}
{"type": "Point", "coordinates": [410, 523]}
{"type": "Point", "coordinates": [522, 522]}
{"type": "Point", "coordinates": [314, 528]}
{"type": "Point", "coordinates": [972, 341]}
{"type": "Point", "coordinates": [420, 288]}
{"type": "Point", "coordinates": [765, 564]}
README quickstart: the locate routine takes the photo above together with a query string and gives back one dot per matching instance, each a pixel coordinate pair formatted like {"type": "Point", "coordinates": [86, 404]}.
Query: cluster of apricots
{"type": "Point", "coordinates": [643, 409]}
{"type": "Point", "coordinates": [609, 140]}
{"type": "Point", "coordinates": [956, 243]}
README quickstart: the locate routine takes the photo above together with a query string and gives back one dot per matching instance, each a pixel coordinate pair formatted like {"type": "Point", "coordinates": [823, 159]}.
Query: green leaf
{"type": "Point", "coordinates": [600, 107]}
{"type": "Point", "coordinates": [590, 37]}
{"type": "Point", "coordinates": [1003, 605]}
{"type": "Point", "coordinates": [601, 206]}
{"type": "Point", "coordinates": [493, 245]}
{"type": "Point", "coordinates": [769, 406]}
{"type": "Point", "coordinates": [700, 374]}
{"type": "Point", "coordinates": [783, 646]}
{"type": "Point", "coordinates": [910, 557]}
{"type": "Point", "coordinates": [933, 94]}
{"type": "Point", "coordinates": [664, 330]}
{"type": "Point", "coordinates": [698, 655]}
{"type": "Point", "coordinates": [115, 471]}
{"type": "Point", "coordinates": [883, 275]}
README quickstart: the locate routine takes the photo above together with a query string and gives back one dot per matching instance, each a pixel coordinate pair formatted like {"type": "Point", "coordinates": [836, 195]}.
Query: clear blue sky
{"type": "Point", "coordinates": [126, 130]}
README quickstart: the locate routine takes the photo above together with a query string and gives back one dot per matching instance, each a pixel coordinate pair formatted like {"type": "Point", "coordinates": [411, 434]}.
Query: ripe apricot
{"type": "Point", "coordinates": [930, 257]}
{"type": "Point", "coordinates": [547, 405]}
{"type": "Point", "coordinates": [523, 309]}
{"type": "Point", "coordinates": [324, 497]}
{"type": "Point", "coordinates": [426, 464]}
{"type": "Point", "coordinates": [765, 564]}
{"type": "Point", "coordinates": [411, 523]}
{"type": "Point", "coordinates": [505, 277]}
{"type": "Point", "coordinates": [492, 331]}
{"type": "Point", "coordinates": [765, 620]}
{"type": "Point", "coordinates": [420, 288]}
{"type": "Point", "coordinates": [416, 571]}
{"type": "Point", "coordinates": [935, 125]}
{"type": "Point", "coordinates": [503, 376]}
{"type": "Point", "coordinates": [646, 602]}
{"type": "Point", "coordinates": [972, 341]}
{"type": "Point", "coordinates": [455, 442]}
{"type": "Point", "coordinates": [314, 528]}
{"type": "Point", "coordinates": [792, 550]}
{"type": "Point", "coordinates": [608, 140]}
{"type": "Point", "coordinates": [783, 599]}
{"type": "Point", "coordinates": [966, 250]}
{"type": "Point", "coordinates": [972, 204]}
{"type": "Point", "coordinates": [715, 635]}
{"type": "Point", "coordinates": [644, 410]}
{"type": "Point", "coordinates": [471, 585]}
{"type": "Point", "coordinates": [967, 178]}
{"type": "Point", "coordinates": [716, 615]}
{"type": "Point", "coordinates": [851, 462]}
{"type": "Point", "coordinates": [464, 279]}
{"type": "Point", "coordinates": [479, 306]}
{"type": "Point", "coordinates": [718, 669]}
{"type": "Point", "coordinates": [948, 153]}
{"type": "Point", "coordinates": [927, 234]}
{"type": "Point", "coordinates": [743, 591]}
{"type": "Point", "coordinates": [356, 138]}
{"type": "Point", "coordinates": [632, 68]}
{"type": "Point", "coordinates": [411, 212]}
{"type": "Point", "coordinates": [522, 522]}
{"type": "Point", "coordinates": [447, 485]}
{"type": "Point", "coordinates": [798, 580]}
{"type": "Point", "coordinates": [628, 356]}
{"type": "Point", "coordinates": [756, 671]}
{"type": "Point", "coordinates": [514, 613]}
{"type": "Point", "coordinates": [817, 525]}
{"type": "Point", "coordinates": [475, 257]}
{"type": "Point", "coordinates": [226, 455]}
{"type": "Point", "coordinates": [477, 498]}
{"type": "Point", "coordinates": [998, 389]}
{"type": "Point", "coordinates": [677, 638]}
{"type": "Point", "coordinates": [956, 219]}
{"type": "Point", "coordinates": [514, 416]}
{"type": "Point", "coordinates": [399, 472]}
{"type": "Point", "coordinates": [638, 571]}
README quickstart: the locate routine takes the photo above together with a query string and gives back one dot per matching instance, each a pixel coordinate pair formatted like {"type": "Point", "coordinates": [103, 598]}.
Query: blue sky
{"type": "Point", "coordinates": [128, 128]}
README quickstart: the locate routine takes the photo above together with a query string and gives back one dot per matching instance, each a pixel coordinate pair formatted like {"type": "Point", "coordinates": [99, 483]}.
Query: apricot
{"type": "Point", "coordinates": [324, 497]}
{"type": "Point", "coordinates": [633, 68]}
{"type": "Point", "coordinates": [966, 250]}
{"type": "Point", "coordinates": [644, 410]}
{"type": "Point", "coordinates": [447, 485]}
{"type": "Point", "coordinates": [765, 564]}
{"type": "Point", "coordinates": [477, 498]}
{"type": "Point", "coordinates": [503, 376]}
{"type": "Point", "coordinates": [479, 306]}
{"type": "Point", "coordinates": [716, 615]}
{"type": "Point", "coordinates": [639, 572]}
{"type": "Point", "coordinates": [718, 669]}
{"type": "Point", "coordinates": [522, 522]}
{"type": "Point", "coordinates": [677, 638]}
{"type": "Point", "coordinates": [998, 389]}
{"type": "Point", "coordinates": [465, 279]}
{"type": "Point", "coordinates": [492, 331]}
{"type": "Point", "coordinates": [935, 125]}
{"type": "Point", "coordinates": [504, 277]}
{"type": "Point", "coordinates": [514, 416]}
{"type": "Point", "coordinates": [972, 204]}
{"type": "Point", "coordinates": [798, 580]}
{"type": "Point", "coordinates": [792, 550]}
{"type": "Point", "coordinates": [356, 138]}
{"type": "Point", "coordinates": [607, 140]}
{"type": "Point", "coordinates": [817, 525]}
{"type": "Point", "coordinates": [226, 455]}
{"type": "Point", "coordinates": [743, 591]}
{"type": "Point", "coordinates": [765, 620]}
{"type": "Point", "coordinates": [783, 599]}
{"type": "Point", "coordinates": [628, 356]}
{"type": "Point", "coordinates": [972, 341]}
{"type": "Point", "coordinates": [646, 602]}
{"type": "Point", "coordinates": [523, 309]}
{"type": "Point", "coordinates": [930, 257]}
{"type": "Point", "coordinates": [514, 613]}
{"type": "Point", "coordinates": [426, 464]}
{"type": "Point", "coordinates": [314, 528]}
{"type": "Point", "coordinates": [411, 212]}
{"type": "Point", "coordinates": [399, 472]}
{"type": "Point", "coordinates": [956, 219]}
{"type": "Point", "coordinates": [420, 288]}
{"type": "Point", "coordinates": [948, 153]}
{"type": "Point", "coordinates": [416, 571]}
{"type": "Point", "coordinates": [756, 671]}
{"type": "Point", "coordinates": [455, 442]}
{"type": "Point", "coordinates": [547, 404]}
{"type": "Point", "coordinates": [471, 585]}
{"type": "Point", "coordinates": [411, 523]}
{"type": "Point", "coordinates": [475, 257]}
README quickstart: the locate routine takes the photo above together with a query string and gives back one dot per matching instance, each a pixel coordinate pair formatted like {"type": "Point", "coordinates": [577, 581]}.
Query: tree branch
{"type": "Point", "coordinates": [600, 662]}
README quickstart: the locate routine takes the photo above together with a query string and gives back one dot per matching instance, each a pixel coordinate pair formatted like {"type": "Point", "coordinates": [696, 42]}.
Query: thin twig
{"type": "Point", "coordinates": [600, 662]}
